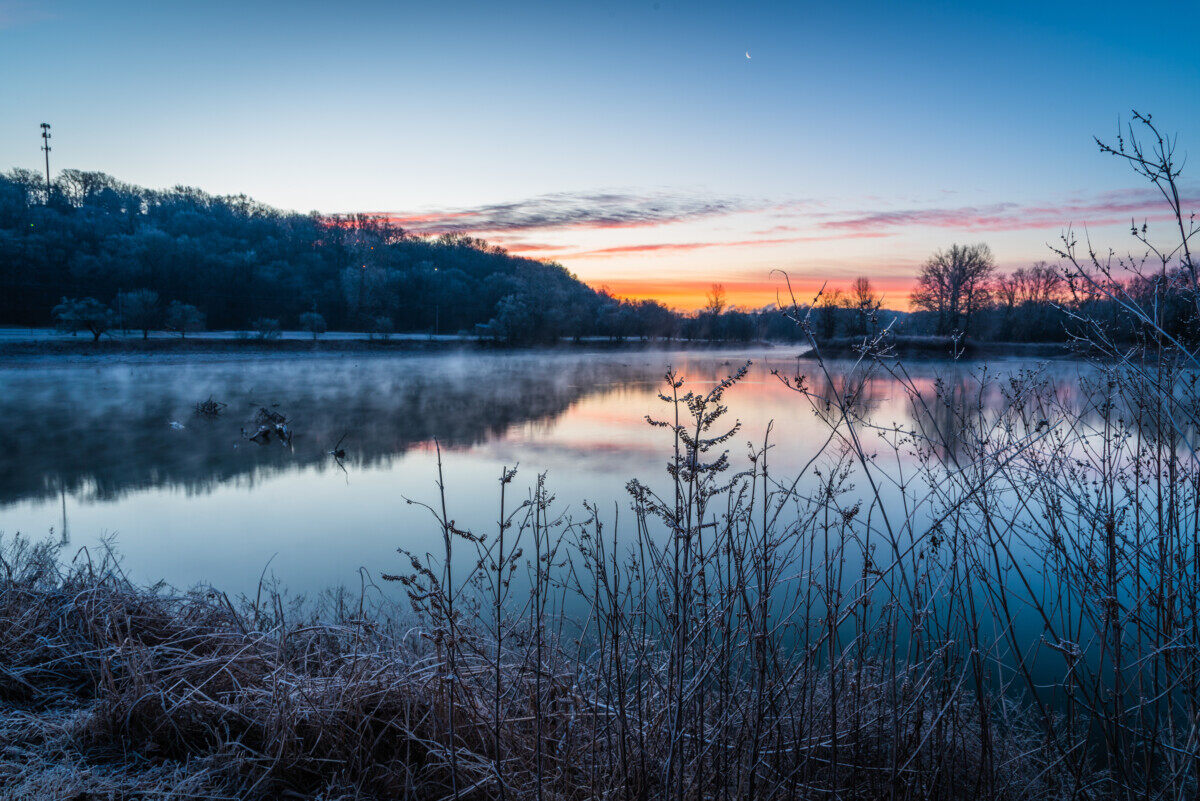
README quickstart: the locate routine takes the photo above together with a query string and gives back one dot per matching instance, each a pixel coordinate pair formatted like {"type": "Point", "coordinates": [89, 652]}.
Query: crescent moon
{"type": "Point", "coordinates": [747, 54]}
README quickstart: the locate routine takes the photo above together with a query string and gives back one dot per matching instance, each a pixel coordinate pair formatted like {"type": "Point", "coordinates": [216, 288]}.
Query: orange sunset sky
{"type": "Point", "coordinates": [673, 247]}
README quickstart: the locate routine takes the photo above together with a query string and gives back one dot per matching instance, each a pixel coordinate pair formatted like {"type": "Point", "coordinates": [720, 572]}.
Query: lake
{"type": "Point", "coordinates": [98, 449]}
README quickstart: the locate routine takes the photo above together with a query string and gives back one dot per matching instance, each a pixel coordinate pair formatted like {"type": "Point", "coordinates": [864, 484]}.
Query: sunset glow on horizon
{"type": "Point", "coordinates": [674, 248]}
{"type": "Point", "coordinates": [692, 295]}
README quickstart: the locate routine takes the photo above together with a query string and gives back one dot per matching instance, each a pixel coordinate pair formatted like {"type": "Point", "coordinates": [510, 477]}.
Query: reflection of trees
{"type": "Point", "coordinates": [952, 408]}
{"type": "Point", "coordinates": [102, 431]}
{"type": "Point", "coordinates": [106, 431]}
{"type": "Point", "coordinates": [955, 404]}
{"type": "Point", "coordinates": [946, 403]}
{"type": "Point", "coordinates": [966, 405]}
{"type": "Point", "coordinates": [860, 393]}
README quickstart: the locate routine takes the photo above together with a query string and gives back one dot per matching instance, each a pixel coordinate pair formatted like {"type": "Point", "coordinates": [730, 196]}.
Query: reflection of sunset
{"type": "Point", "coordinates": [578, 416]}
{"type": "Point", "coordinates": [611, 426]}
{"type": "Point", "coordinates": [608, 429]}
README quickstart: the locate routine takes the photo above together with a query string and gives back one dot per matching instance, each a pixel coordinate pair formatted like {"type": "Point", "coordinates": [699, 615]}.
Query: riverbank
{"type": "Point", "coordinates": [31, 344]}
{"type": "Point", "coordinates": [25, 345]}
{"type": "Point", "coordinates": [111, 690]}
{"type": "Point", "coordinates": [931, 347]}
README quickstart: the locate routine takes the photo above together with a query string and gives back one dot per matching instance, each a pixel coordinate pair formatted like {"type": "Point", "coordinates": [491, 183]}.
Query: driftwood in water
{"type": "Point", "coordinates": [269, 423]}
{"type": "Point", "coordinates": [210, 407]}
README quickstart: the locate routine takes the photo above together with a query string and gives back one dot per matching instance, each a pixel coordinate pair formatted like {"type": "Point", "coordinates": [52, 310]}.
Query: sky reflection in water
{"type": "Point", "coordinates": [201, 504]}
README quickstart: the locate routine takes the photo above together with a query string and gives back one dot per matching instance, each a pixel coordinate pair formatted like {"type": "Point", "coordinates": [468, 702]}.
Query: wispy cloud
{"type": "Point", "coordinates": [574, 210]}
{"type": "Point", "coordinates": [538, 226]}
{"type": "Point", "coordinates": [676, 247]}
{"type": "Point", "coordinates": [521, 246]}
{"type": "Point", "coordinates": [1110, 208]}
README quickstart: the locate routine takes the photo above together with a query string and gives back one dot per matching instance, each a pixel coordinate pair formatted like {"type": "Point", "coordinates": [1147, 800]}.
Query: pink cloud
{"type": "Point", "coordinates": [1109, 208]}
{"type": "Point", "coordinates": [518, 246]}
{"type": "Point", "coordinates": [674, 247]}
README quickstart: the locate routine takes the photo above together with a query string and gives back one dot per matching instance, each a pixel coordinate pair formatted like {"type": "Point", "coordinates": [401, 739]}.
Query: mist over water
{"type": "Point", "coordinates": [97, 449]}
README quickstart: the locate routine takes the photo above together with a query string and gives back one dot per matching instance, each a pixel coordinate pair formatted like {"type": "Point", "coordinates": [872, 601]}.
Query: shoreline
{"type": "Point", "coordinates": [935, 348]}
{"type": "Point", "coordinates": [34, 348]}
{"type": "Point", "coordinates": [13, 352]}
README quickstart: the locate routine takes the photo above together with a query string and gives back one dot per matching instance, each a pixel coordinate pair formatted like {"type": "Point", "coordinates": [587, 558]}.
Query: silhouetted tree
{"type": "Point", "coordinates": [313, 322]}
{"type": "Point", "coordinates": [381, 327]}
{"type": "Point", "coordinates": [865, 303]}
{"type": "Point", "coordinates": [267, 328]}
{"type": "Point", "coordinates": [183, 318]}
{"type": "Point", "coordinates": [139, 309]}
{"type": "Point", "coordinates": [1039, 283]}
{"type": "Point", "coordinates": [829, 303]}
{"type": "Point", "coordinates": [87, 314]}
{"type": "Point", "coordinates": [954, 285]}
{"type": "Point", "coordinates": [1007, 290]}
{"type": "Point", "coordinates": [715, 301]}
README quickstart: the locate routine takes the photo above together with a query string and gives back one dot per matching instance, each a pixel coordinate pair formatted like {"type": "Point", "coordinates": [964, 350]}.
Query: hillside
{"type": "Point", "coordinates": [238, 260]}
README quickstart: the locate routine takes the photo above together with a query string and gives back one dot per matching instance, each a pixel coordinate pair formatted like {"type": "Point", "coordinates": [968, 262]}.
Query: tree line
{"type": "Point", "coordinates": [94, 253]}
{"type": "Point", "coordinates": [960, 292]}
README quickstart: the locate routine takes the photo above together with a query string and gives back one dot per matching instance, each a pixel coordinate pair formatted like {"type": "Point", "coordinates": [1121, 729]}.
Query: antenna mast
{"type": "Point", "coordinates": [46, 149]}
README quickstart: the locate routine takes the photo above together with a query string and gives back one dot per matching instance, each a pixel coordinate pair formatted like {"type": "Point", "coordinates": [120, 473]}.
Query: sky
{"type": "Point", "coordinates": [653, 148]}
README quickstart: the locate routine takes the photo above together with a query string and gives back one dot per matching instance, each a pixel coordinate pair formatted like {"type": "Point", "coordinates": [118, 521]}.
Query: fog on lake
{"type": "Point", "coordinates": [113, 449]}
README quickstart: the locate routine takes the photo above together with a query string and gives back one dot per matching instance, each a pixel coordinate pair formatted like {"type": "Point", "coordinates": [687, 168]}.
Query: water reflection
{"type": "Point", "coordinates": [91, 446]}
{"type": "Point", "coordinates": [100, 433]}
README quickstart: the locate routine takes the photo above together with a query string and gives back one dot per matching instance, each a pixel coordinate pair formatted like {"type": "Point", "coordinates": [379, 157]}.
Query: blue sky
{"type": "Point", "coordinates": [634, 142]}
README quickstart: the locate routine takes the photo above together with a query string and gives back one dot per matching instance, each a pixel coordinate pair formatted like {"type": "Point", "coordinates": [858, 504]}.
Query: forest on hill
{"type": "Point", "coordinates": [236, 261]}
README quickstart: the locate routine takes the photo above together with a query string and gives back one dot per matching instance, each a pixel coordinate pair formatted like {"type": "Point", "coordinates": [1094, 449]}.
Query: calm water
{"type": "Point", "coordinates": [101, 449]}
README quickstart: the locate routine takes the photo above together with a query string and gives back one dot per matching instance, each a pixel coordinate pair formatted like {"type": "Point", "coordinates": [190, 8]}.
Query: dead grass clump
{"type": "Point", "coordinates": [116, 689]}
